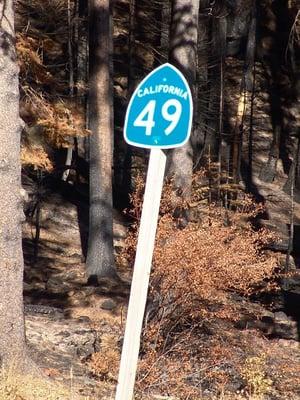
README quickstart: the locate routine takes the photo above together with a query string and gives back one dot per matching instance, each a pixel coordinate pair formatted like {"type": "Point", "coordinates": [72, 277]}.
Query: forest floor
{"type": "Point", "coordinates": [68, 322]}
{"type": "Point", "coordinates": [74, 331]}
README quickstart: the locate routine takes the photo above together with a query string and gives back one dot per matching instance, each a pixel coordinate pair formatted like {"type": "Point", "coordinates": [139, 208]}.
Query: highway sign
{"type": "Point", "coordinates": [159, 114]}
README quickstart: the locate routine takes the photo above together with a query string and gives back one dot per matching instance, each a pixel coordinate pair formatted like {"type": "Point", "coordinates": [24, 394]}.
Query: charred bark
{"type": "Point", "coordinates": [274, 20]}
{"type": "Point", "coordinates": [100, 261]}
{"type": "Point", "coordinates": [246, 92]}
{"type": "Point", "coordinates": [183, 54]}
{"type": "Point", "coordinates": [12, 334]}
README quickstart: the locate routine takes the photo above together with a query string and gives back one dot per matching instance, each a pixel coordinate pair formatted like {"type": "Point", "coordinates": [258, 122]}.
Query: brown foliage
{"type": "Point", "coordinates": [44, 84]}
{"type": "Point", "coordinates": [195, 272]}
{"type": "Point", "coordinates": [105, 364]}
{"type": "Point", "coordinates": [208, 257]}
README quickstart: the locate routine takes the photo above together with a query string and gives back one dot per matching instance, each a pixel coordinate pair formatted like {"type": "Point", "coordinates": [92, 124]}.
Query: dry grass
{"type": "Point", "coordinates": [17, 387]}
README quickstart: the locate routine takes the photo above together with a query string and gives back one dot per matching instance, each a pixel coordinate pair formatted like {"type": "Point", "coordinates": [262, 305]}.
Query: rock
{"type": "Point", "coordinates": [284, 327]}
{"type": "Point", "coordinates": [84, 342]}
{"type": "Point", "coordinates": [79, 302]}
{"type": "Point", "coordinates": [34, 286]}
{"type": "Point", "coordinates": [280, 316]}
{"type": "Point", "coordinates": [83, 319]}
{"type": "Point", "coordinates": [108, 305]}
{"type": "Point", "coordinates": [37, 309]}
{"type": "Point", "coordinates": [266, 322]}
{"type": "Point", "coordinates": [293, 281]}
{"type": "Point", "coordinates": [33, 276]}
{"type": "Point", "coordinates": [293, 344]}
{"type": "Point", "coordinates": [235, 384]}
{"type": "Point", "coordinates": [27, 287]}
{"type": "Point", "coordinates": [53, 213]}
{"type": "Point", "coordinates": [281, 229]}
{"type": "Point", "coordinates": [60, 336]}
{"type": "Point", "coordinates": [276, 325]}
{"type": "Point", "coordinates": [78, 299]}
{"type": "Point", "coordinates": [291, 264]}
{"type": "Point", "coordinates": [286, 331]}
{"type": "Point", "coordinates": [57, 284]}
{"type": "Point", "coordinates": [282, 260]}
{"type": "Point", "coordinates": [89, 290]}
{"type": "Point", "coordinates": [267, 316]}
{"type": "Point", "coordinates": [65, 334]}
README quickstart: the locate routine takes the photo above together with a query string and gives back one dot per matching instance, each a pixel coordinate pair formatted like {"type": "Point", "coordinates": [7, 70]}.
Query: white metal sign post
{"type": "Point", "coordinates": [159, 116]}
{"type": "Point", "coordinates": [141, 274]}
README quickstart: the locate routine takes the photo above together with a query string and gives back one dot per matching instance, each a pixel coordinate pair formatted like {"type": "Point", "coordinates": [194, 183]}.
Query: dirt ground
{"type": "Point", "coordinates": [74, 331]}
{"type": "Point", "coordinates": [66, 320]}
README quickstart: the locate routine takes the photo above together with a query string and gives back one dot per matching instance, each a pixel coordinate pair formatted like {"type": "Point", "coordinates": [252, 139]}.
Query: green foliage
{"type": "Point", "coordinates": [254, 373]}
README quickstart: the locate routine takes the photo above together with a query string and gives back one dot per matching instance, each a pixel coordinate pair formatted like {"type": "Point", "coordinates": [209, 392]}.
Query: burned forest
{"type": "Point", "coordinates": [220, 316]}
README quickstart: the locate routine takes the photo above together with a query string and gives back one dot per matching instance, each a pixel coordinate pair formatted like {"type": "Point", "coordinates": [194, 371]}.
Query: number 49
{"type": "Point", "coordinates": [146, 116]}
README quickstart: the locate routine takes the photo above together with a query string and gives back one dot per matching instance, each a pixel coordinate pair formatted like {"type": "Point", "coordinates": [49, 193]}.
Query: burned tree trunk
{"type": "Point", "coordinates": [12, 335]}
{"type": "Point", "coordinates": [273, 29]}
{"type": "Point", "coordinates": [247, 86]}
{"type": "Point", "coordinates": [215, 82]}
{"type": "Point", "coordinates": [100, 261]}
{"type": "Point", "coordinates": [183, 54]}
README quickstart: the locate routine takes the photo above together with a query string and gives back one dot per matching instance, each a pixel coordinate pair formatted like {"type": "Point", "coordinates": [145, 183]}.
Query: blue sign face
{"type": "Point", "coordinates": [159, 114]}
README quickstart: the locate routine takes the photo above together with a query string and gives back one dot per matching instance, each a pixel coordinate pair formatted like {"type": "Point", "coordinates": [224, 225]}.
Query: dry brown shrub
{"type": "Point", "coordinates": [208, 257]}
{"type": "Point", "coordinates": [31, 65]}
{"type": "Point", "coordinates": [195, 271]}
{"type": "Point", "coordinates": [36, 157]}
{"type": "Point", "coordinates": [105, 364]}
{"type": "Point", "coordinates": [44, 85]}
{"type": "Point", "coordinates": [60, 120]}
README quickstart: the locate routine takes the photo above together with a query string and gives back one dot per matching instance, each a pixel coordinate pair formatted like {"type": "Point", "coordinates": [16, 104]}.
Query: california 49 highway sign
{"type": "Point", "coordinates": [159, 114]}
